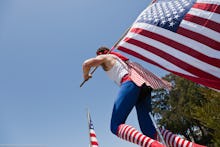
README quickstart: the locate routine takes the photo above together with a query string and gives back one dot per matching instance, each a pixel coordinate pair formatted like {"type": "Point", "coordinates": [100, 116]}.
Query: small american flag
{"type": "Point", "coordinates": [141, 75]}
{"type": "Point", "coordinates": [92, 135]}
{"type": "Point", "coordinates": [180, 36]}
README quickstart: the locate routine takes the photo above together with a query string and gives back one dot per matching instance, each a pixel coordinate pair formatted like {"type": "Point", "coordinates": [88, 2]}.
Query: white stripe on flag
{"type": "Point", "coordinates": [209, 1]}
{"type": "Point", "coordinates": [205, 14]}
{"type": "Point", "coordinates": [200, 29]}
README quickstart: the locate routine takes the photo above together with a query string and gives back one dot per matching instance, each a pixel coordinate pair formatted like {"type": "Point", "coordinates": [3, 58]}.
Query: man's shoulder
{"type": "Point", "coordinates": [102, 56]}
{"type": "Point", "coordinates": [110, 56]}
{"type": "Point", "coordinates": [106, 58]}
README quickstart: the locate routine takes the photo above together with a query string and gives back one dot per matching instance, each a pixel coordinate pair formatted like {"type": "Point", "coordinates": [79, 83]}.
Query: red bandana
{"type": "Point", "coordinates": [123, 58]}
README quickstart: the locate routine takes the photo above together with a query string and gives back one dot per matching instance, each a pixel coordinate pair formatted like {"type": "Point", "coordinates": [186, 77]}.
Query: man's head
{"type": "Point", "coordinates": [102, 50]}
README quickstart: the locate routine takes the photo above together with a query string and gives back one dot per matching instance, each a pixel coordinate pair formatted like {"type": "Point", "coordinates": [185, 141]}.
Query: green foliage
{"type": "Point", "coordinates": [189, 109]}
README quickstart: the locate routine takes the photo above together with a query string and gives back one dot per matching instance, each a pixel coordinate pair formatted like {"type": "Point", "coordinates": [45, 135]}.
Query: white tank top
{"type": "Point", "coordinates": [118, 71]}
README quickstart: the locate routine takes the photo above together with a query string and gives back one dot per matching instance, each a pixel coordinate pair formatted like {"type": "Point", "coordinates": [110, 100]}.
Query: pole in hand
{"type": "Point", "coordinates": [115, 45]}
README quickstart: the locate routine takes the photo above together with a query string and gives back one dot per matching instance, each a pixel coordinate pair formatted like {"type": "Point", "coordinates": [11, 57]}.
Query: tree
{"type": "Point", "coordinates": [189, 109]}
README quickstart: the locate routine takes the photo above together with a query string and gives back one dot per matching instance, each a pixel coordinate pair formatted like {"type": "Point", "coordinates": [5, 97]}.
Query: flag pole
{"type": "Point", "coordinates": [88, 118]}
{"type": "Point", "coordinates": [115, 45]}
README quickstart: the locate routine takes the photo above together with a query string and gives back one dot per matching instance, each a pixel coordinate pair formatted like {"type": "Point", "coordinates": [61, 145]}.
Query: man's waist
{"type": "Point", "coordinates": [125, 78]}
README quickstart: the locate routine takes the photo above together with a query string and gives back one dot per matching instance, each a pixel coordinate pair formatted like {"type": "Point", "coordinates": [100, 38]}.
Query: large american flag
{"type": "Point", "coordinates": [180, 36]}
{"type": "Point", "coordinates": [92, 134]}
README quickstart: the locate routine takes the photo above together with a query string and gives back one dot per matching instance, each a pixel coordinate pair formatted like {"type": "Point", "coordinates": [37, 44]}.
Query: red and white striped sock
{"type": "Point", "coordinates": [175, 141]}
{"type": "Point", "coordinates": [130, 134]}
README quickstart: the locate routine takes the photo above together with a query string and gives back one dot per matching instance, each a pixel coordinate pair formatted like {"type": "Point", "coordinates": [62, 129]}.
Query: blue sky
{"type": "Point", "coordinates": [42, 46]}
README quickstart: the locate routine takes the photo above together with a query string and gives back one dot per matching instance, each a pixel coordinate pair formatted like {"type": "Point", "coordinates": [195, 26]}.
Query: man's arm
{"type": "Point", "coordinates": [92, 62]}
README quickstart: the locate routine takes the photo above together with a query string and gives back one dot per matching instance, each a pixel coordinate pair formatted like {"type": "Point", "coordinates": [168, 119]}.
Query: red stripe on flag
{"type": "Point", "coordinates": [204, 81]}
{"type": "Point", "coordinates": [94, 143]}
{"type": "Point", "coordinates": [169, 137]}
{"type": "Point", "coordinates": [130, 137]}
{"type": "Point", "coordinates": [178, 46]}
{"type": "Point", "coordinates": [133, 138]}
{"type": "Point", "coordinates": [203, 22]}
{"type": "Point", "coordinates": [142, 141]}
{"type": "Point", "coordinates": [207, 7]}
{"type": "Point", "coordinates": [200, 38]}
{"type": "Point", "coordinates": [178, 140]}
{"type": "Point", "coordinates": [188, 144]}
{"type": "Point", "coordinates": [128, 134]}
{"type": "Point", "coordinates": [135, 54]}
{"type": "Point", "coordinates": [173, 141]}
{"type": "Point", "coordinates": [165, 135]}
{"type": "Point", "coordinates": [170, 58]}
{"type": "Point", "coordinates": [138, 139]}
{"type": "Point", "coordinates": [184, 142]}
{"type": "Point", "coordinates": [92, 135]}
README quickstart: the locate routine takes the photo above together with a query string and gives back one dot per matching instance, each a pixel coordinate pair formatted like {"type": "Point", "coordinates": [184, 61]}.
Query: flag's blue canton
{"type": "Point", "coordinates": [166, 14]}
{"type": "Point", "coordinates": [91, 125]}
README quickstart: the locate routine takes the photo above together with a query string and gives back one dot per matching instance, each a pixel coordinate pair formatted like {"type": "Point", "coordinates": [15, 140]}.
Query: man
{"type": "Point", "coordinates": [130, 95]}
{"type": "Point", "coordinates": [135, 84]}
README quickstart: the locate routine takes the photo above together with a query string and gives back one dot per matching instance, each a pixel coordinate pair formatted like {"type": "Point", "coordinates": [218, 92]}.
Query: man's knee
{"type": "Point", "coordinates": [114, 128]}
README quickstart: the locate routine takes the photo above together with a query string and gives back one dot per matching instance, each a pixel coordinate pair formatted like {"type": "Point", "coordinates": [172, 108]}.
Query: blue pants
{"type": "Point", "coordinates": [131, 95]}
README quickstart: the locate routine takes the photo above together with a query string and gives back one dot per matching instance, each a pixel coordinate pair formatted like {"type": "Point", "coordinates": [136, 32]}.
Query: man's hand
{"type": "Point", "coordinates": [87, 76]}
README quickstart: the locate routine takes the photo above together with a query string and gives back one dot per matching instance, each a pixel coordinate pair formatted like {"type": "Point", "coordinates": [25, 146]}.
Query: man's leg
{"type": "Point", "coordinates": [127, 98]}
{"type": "Point", "coordinates": [143, 107]}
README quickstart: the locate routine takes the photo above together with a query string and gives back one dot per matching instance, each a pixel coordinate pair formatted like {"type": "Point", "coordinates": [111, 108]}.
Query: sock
{"type": "Point", "coordinates": [175, 141]}
{"type": "Point", "coordinates": [130, 134]}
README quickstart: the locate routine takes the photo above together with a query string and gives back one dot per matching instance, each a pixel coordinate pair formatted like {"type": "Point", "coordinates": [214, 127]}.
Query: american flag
{"type": "Point", "coordinates": [92, 135]}
{"type": "Point", "coordinates": [141, 75]}
{"type": "Point", "coordinates": [180, 36]}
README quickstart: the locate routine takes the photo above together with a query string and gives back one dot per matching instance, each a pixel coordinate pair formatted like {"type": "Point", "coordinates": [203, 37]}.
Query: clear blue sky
{"type": "Point", "coordinates": [42, 46]}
